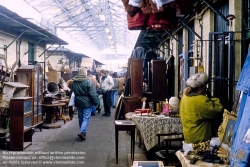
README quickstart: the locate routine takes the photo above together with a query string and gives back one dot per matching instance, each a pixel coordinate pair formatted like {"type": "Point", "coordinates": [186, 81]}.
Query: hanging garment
{"type": "Point", "coordinates": [160, 3]}
{"type": "Point", "coordinates": [184, 7]}
{"type": "Point", "coordinates": [137, 22]}
{"type": "Point", "coordinates": [147, 6]}
{"type": "Point", "coordinates": [138, 52]}
{"type": "Point", "coordinates": [240, 151]}
{"type": "Point", "coordinates": [165, 20]}
{"type": "Point", "coordinates": [135, 2]}
{"type": "Point", "coordinates": [131, 10]}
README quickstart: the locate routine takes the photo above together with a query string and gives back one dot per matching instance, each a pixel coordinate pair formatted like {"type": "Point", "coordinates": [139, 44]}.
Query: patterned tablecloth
{"type": "Point", "coordinates": [186, 163]}
{"type": "Point", "coordinates": [150, 126]}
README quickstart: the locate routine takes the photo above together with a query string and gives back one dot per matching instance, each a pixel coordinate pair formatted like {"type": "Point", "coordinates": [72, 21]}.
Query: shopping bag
{"type": "Point", "coordinates": [72, 99]}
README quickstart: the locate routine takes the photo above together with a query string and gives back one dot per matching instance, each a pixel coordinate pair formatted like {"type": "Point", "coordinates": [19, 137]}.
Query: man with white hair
{"type": "Point", "coordinates": [106, 84]}
{"type": "Point", "coordinates": [85, 97]}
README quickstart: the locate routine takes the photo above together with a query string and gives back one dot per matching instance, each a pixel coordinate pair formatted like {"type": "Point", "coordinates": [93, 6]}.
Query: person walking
{"type": "Point", "coordinates": [121, 82]}
{"type": "Point", "coordinates": [106, 83]}
{"type": "Point", "coordinates": [114, 91]}
{"type": "Point", "coordinates": [85, 97]}
{"type": "Point", "coordinates": [96, 84]}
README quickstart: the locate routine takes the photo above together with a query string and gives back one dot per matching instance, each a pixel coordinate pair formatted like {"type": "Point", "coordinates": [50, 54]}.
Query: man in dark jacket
{"type": "Point", "coordinates": [85, 97]}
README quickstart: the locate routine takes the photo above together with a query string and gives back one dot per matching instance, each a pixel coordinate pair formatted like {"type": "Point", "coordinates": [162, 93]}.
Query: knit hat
{"type": "Point", "coordinates": [197, 80]}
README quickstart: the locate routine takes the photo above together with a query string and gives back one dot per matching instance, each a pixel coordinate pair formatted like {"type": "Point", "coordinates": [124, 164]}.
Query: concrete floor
{"type": "Point", "coordinates": [98, 150]}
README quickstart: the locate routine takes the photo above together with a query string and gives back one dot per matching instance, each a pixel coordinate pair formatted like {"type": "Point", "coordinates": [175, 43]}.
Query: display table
{"type": "Point", "coordinates": [66, 107]}
{"type": "Point", "coordinates": [53, 114]}
{"type": "Point", "coordinates": [150, 126]}
{"type": "Point", "coordinates": [121, 125]}
{"type": "Point", "coordinates": [186, 163]}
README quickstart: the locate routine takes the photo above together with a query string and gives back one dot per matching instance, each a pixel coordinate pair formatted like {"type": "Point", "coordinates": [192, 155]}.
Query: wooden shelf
{"type": "Point", "coordinates": [20, 117]}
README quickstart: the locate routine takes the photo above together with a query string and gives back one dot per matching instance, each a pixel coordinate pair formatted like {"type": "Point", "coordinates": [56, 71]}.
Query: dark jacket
{"type": "Point", "coordinates": [85, 93]}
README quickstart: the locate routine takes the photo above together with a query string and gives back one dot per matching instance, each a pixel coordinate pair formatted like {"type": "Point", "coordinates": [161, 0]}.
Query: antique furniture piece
{"type": "Point", "coordinates": [32, 75]}
{"type": "Point", "coordinates": [122, 125]}
{"type": "Point", "coordinates": [159, 87]}
{"type": "Point", "coordinates": [20, 123]}
{"type": "Point", "coordinates": [53, 113]}
{"type": "Point", "coordinates": [135, 74]}
{"type": "Point", "coordinates": [50, 97]}
{"type": "Point", "coordinates": [66, 107]}
{"type": "Point", "coordinates": [10, 90]}
{"type": "Point", "coordinates": [135, 69]}
{"type": "Point", "coordinates": [165, 147]}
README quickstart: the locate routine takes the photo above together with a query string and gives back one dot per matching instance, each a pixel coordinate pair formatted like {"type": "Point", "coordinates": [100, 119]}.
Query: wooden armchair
{"type": "Point", "coordinates": [166, 148]}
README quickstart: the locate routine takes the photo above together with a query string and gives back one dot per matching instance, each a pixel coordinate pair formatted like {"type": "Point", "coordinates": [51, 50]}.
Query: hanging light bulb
{"type": "Point", "coordinates": [106, 29]}
{"type": "Point", "coordinates": [109, 36]}
{"type": "Point", "coordinates": [102, 16]}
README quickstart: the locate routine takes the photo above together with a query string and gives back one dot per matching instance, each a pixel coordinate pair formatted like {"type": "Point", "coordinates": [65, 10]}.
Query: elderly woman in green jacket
{"type": "Point", "coordinates": [198, 110]}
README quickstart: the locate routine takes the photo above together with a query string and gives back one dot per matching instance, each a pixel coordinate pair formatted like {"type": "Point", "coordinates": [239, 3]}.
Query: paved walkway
{"type": "Point", "coordinates": [98, 150]}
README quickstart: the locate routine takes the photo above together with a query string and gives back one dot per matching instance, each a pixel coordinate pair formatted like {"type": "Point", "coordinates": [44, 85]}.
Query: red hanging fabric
{"type": "Point", "coordinates": [131, 10]}
{"type": "Point", "coordinates": [137, 22]}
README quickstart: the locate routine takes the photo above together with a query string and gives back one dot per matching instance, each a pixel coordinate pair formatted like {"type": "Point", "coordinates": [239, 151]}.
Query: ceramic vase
{"type": "Point", "coordinates": [174, 103]}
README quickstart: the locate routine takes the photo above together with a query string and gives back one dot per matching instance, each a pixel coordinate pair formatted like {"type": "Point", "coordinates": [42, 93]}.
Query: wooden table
{"type": "Point", "coordinates": [186, 163]}
{"type": "Point", "coordinates": [66, 101]}
{"type": "Point", "coordinates": [52, 111]}
{"type": "Point", "coordinates": [121, 125]}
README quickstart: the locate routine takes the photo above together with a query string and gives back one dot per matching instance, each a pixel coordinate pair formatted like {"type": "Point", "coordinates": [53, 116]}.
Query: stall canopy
{"type": "Point", "coordinates": [15, 25]}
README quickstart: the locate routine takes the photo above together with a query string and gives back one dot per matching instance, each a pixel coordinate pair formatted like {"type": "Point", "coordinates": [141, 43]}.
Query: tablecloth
{"type": "Point", "coordinates": [150, 126]}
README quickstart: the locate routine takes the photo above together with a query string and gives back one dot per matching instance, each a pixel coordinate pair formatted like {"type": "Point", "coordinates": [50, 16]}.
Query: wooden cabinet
{"type": "Point", "coordinates": [159, 87]}
{"type": "Point", "coordinates": [156, 79]}
{"type": "Point", "coordinates": [20, 123]}
{"type": "Point", "coordinates": [135, 69]}
{"type": "Point", "coordinates": [136, 76]}
{"type": "Point", "coordinates": [32, 75]}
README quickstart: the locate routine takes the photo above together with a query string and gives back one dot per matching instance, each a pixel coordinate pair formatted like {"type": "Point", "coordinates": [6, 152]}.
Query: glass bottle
{"type": "Point", "coordinates": [166, 108]}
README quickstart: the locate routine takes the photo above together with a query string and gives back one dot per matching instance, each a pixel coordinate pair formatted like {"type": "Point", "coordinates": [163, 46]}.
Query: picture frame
{"type": "Point", "coordinates": [226, 129]}
{"type": "Point", "coordinates": [148, 164]}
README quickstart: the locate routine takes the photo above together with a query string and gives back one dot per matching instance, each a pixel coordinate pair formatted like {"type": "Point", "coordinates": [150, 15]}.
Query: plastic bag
{"type": "Point", "coordinates": [72, 99]}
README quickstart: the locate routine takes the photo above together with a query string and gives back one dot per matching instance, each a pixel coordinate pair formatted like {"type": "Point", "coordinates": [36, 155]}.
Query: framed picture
{"type": "Point", "coordinates": [226, 129]}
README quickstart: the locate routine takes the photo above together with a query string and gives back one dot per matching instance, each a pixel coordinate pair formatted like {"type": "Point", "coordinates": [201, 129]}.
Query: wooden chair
{"type": "Point", "coordinates": [166, 148]}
